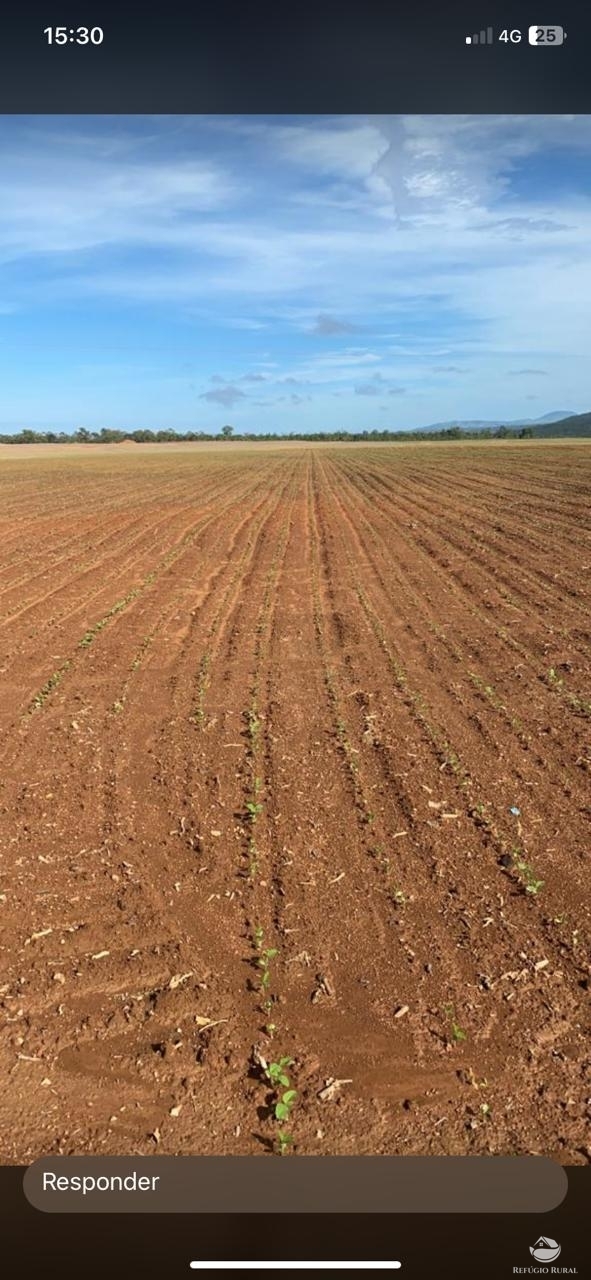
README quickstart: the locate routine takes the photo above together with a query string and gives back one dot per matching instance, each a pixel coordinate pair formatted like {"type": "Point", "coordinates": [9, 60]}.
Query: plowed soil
{"type": "Point", "coordinates": [327, 702]}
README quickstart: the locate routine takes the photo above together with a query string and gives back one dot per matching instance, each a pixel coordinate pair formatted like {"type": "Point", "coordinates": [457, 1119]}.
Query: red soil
{"type": "Point", "coordinates": [383, 651]}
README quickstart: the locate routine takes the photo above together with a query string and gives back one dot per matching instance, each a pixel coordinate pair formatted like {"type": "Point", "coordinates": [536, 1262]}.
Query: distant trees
{"type": "Point", "coordinates": [578, 426]}
{"type": "Point", "coordinates": [109, 436]}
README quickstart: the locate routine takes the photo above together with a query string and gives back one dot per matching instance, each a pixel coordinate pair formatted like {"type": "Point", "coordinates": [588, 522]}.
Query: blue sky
{"type": "Point", "coordinates": [289, 273]}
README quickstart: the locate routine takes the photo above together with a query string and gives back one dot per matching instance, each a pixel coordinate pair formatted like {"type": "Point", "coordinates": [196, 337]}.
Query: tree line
{"type": "Point", "coordinates": [108, 435]}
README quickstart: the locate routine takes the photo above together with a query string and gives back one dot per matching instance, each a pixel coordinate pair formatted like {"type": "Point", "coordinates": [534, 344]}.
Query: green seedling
{"type": "Point", "coordinates": [276, 1072]}
{"type": "Point", "coordinates": [583, 708]}
{"type": "Point", "coordinates": [532, 885]}
{"type": "Point", "coordinates": [284, 1142]}
{"type": "Point", "coordinates": [285, 1096]}
{"type": "Point", "coordinates": [99, 626]}
{"type": "Point", "coordinates": [49, 686]}
{"type": "Point", "coordinates": [258, 936]}
{"type": "Point", "coordinates": [137, 661]}
{"type": "Point", "coordinates": [254, 725]}
{"type": "Point", "coordinates": [284, 1104]}
{"type": "Point", "coordinates": [457, 1032]}
{"type": "Point", "coordinates": [253, 810]}
{"type": "Point", "coordinates": [264, 964]}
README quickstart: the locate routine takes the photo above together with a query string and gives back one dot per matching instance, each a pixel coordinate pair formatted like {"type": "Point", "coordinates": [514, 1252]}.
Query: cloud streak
{"type": "Point", "coordinates": [454, 247]}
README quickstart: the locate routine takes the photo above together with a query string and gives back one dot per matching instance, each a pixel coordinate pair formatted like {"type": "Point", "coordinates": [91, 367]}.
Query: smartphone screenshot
{"type": "Point", "coordinates": [295, 639]}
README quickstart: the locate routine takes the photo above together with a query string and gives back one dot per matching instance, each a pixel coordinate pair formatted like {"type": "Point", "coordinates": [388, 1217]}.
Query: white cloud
{"type": "Point", "coordinates": [423, 229]}
{"type": "Point", "coordinates": [55, 202]}
{"type": "Point", "coordinates": [339, 146]}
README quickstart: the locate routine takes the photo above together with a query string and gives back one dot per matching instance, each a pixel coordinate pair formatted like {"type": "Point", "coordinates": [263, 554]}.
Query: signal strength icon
{"type": "Point", "coordinates": [481, 37]}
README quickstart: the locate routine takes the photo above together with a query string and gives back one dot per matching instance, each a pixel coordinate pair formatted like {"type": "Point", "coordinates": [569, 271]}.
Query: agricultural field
{"type": "Point", "coordinates": [295, 799]}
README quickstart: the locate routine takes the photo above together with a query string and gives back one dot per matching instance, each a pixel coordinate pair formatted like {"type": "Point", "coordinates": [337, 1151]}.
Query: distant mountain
{"type": "Point", "coordinates": [557, 416]}
{"type": "Point", "coordinates": [577, 424]}
{"type": "Point", "coordinates": [482, 424]}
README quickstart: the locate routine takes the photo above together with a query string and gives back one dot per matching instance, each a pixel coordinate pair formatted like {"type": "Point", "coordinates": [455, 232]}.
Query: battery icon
{"type": "Point", "coordinates": [545, 36]}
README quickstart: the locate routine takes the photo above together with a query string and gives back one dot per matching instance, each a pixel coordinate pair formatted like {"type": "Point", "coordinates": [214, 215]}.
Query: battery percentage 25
{"type": "Point", "coordinates": [544, 35]}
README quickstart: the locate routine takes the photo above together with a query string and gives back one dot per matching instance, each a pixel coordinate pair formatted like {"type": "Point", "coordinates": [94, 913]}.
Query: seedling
{"type": "Point", "coordinates": [253, 807]}
{"type": "Point", "coordinates": [253, 810]}
{"type": "Point", "coordinates": [137, 661]}
{"type": "Point", "coordinates": [583, 708]}
{"type": "Point", "coordinates": [254, 725]}
{"type": "Point", "coordinates": [284, 1142]}
{"type": "Point", "coordinates": [457, 1032]}
{"type": "Point", "coordinates": [48, 688]}
{"type": "Point", "coordinates": [532, 885]}
{"type": "Point", "coordinates": [276, 1072]}
{"type": "Point", "coordinates": [284, 1104]}
{"type": "Point", "coordinates": [120, 605]}
{"type": "Point", "coordinates": [285, 1096]}
{"type": "Point", "coordinates": [264, 964]}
